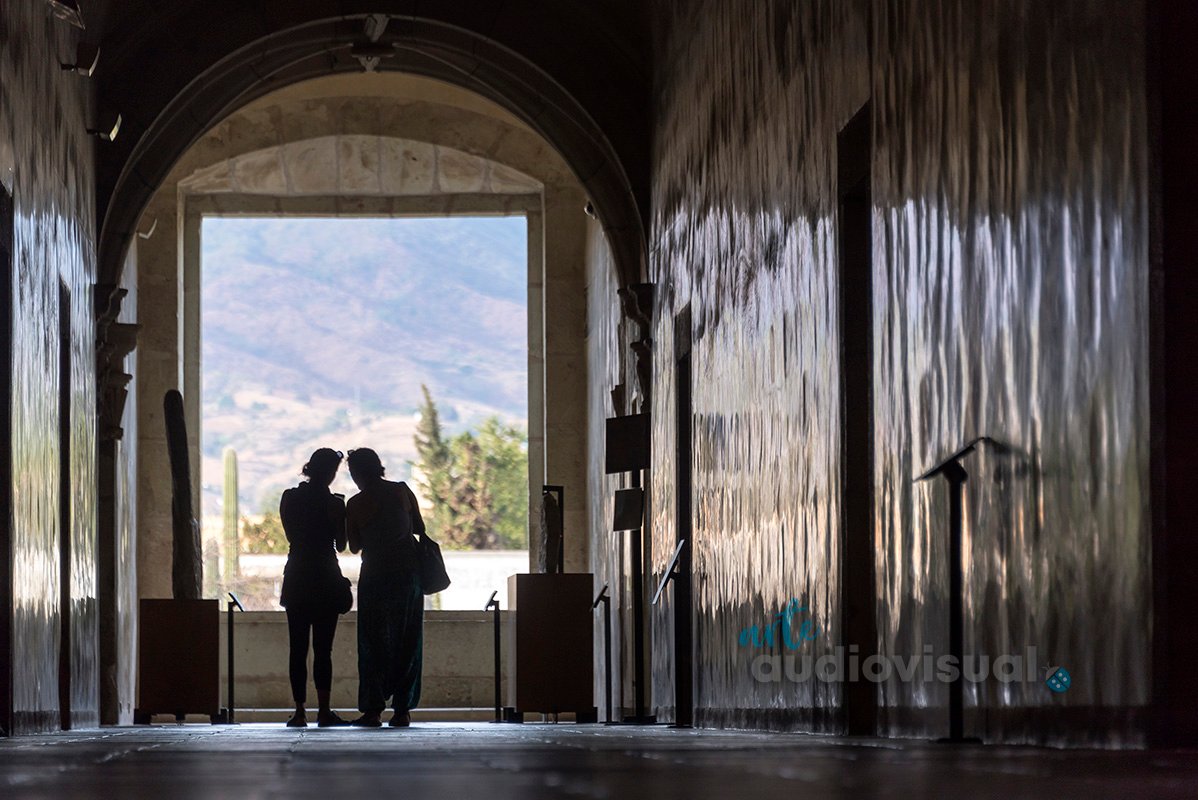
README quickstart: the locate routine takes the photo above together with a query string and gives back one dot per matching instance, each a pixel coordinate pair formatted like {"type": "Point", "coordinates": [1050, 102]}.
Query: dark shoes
{"type": "Point", "coordinates": [329, 719]}
{"type": "Point", "coordinates": [400, 719]}
{"type": "Point", "coordinates": [324, 719]}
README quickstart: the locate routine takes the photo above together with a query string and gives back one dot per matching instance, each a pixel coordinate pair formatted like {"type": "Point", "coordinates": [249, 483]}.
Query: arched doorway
{"type": "Point", "coordinates": [379, 145]}
{"type": "Point", "coordinates": [530, 62]}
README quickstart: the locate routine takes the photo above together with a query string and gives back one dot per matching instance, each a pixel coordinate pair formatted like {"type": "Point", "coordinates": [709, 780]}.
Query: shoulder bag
{"type": "Point", "coordinates": [433, 577]}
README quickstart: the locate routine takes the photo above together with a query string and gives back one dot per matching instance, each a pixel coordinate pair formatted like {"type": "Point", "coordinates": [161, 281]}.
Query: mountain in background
{"type": "Point", "coordinates": [319, 332]}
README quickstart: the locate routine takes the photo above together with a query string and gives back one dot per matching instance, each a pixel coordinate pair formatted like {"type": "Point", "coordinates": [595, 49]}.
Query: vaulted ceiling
{"type": "Point", "coordinates": [576, 71]}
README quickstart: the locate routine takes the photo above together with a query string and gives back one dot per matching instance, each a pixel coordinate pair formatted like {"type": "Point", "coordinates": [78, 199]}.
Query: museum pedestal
{"type": "Point", "coordinates": [178, 658]}
{"type": "Point", "coordinates": [551, 668]}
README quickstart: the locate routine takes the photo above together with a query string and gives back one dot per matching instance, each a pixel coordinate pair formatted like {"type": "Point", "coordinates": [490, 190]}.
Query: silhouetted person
{"type": "Point", "coordinates": [382, 521]}
{"type": "Point", "coordinates": [313, 588]}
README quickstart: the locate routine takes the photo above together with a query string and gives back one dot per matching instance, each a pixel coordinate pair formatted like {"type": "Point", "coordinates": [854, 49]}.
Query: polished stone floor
{"type": "Point", "coordinates": [448, 761]}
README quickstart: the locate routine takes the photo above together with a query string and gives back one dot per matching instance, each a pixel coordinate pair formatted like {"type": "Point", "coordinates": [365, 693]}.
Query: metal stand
{"type": "Point", "coordinates": [226, 716]}
{"type": "Point", "coordinates": [606, 601]}
{"type": "Point", "coordinates": [493, 605]}
{"type": "Point", "coordinates": [560, 491]}
{"type": "Point", "coordinates": [952, 471]}
{"type": "Point", "coordinates": [642, 715]}
{"type": "Point", "coordinates": [675, 571]}
{"type": "Point", "coordinates": [627, 447]}
{"type": "Point", "coordinates": [502, 713]}
{"type": "Point", "coordinates": [629, 516]}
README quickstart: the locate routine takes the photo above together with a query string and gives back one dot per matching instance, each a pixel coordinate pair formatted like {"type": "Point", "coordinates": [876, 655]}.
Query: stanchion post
{"type": "Point", "coordinates": [234, 603]}
{"type": "Point", "coordinates": [676, 571]}
{"type": "Point", "coordinates": [606, 601]}
{"type": "Point", "coordinates": [628, 515]}
{"type": "Point", "coordinates": [956, 475]}
{"type": "Point", "coordinates": [493, 604]}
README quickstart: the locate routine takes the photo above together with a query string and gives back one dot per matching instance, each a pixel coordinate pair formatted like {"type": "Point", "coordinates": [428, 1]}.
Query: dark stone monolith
{"type": "Point", "coordinates": [187, 570]}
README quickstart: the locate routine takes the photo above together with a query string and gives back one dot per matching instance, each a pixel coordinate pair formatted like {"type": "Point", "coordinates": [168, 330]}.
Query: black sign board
{"type": "Point", "coordinates": [627, 445]}
{"type": "Point", "coordinates": [629, 511]}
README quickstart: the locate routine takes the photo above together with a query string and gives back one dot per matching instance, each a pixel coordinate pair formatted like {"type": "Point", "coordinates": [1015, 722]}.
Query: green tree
{"type": "Point", "coordinates": [505, 449]}
{"type": "Point", "coordinates": [477, 483]}
{"type": "Point", "coordinates": [471, 507]}
{"type": "Point", "coordinates": [435, 463]}
{"type": "Point", "coordinates": [266, 537]}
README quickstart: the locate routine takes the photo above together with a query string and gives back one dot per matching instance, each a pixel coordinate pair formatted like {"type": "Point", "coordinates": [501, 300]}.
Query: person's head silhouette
{"type": "Point", "coordinates": [365, 467]}
{"type": "Point", "coordinates": [322, 466]}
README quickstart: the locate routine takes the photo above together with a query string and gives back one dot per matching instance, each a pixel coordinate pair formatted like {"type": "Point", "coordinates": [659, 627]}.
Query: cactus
{"type": "Point", "coordinates": [211, 567]}
{"type": "Point", "coordinates": [232, 538]}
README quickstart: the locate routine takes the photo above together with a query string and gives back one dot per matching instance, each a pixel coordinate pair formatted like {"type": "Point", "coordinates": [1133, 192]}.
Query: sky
{"type": "Point", "coordinates": [320, 331]}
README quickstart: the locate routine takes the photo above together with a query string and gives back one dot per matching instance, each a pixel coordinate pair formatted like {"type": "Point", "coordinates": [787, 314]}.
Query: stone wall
{"type": "Point", "coordinates": [1009, 269]}
{"type": "Point", "coordinates": [121, 680]}
{"type": "Point", "coordinates": [459, 661]}
{"type": "Point", "coordinates": [608, 551]}
{"type": "Point", "coordinates": [46, 162]}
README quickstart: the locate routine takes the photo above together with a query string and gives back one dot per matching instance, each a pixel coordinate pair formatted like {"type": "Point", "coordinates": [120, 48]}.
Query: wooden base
{"type": "Point", "coordinates": [178, 658]}
{"type": "Point", "coordinates": [553, 653]}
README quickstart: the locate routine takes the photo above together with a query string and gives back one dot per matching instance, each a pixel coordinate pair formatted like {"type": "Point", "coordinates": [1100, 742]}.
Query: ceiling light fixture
{"type": "Point", "coordinates": [87, 58]}
{"type": "Point", "coordinates": [109, 127]}
{"type": "Point", "coordinates": [374, 26]}
{"type": "Point", "coordinates": [370, 54]}
{"type": "Point", "coordinates": [372, 50]}
{"type": "Point", "coordinates": [150, 232]}
{"type": "Point", "coordinates": [67, 11]}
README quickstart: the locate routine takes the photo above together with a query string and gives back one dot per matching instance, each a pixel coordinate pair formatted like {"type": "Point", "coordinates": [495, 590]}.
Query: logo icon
{"type": "Point", "coordinates": [781, 630]}
{"type": "Point", "coordinates": [1058, 679]}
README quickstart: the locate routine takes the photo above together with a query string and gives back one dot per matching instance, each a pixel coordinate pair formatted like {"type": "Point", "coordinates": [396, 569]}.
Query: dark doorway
{"type": "Point", "coordinates": [64, 504]}
{"type": "Point", "coordinates": [855, 252]}
{"type": "Point", "coordinates": [684, 648]}
{"type": "Point", "coordinates": [1173, 329]}
{"type": "Point", "coordinates": [8, 263]}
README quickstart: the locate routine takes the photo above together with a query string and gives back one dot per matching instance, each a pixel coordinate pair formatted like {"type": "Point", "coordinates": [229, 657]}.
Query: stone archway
{"type": "Point", "coordinates": [386, 154]}
{"type": "Point", "coordinates": [528, 60]}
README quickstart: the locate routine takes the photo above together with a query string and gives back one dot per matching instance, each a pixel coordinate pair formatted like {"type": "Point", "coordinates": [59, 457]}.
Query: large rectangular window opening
{"type": "Point", "coordinates": [325, 332]}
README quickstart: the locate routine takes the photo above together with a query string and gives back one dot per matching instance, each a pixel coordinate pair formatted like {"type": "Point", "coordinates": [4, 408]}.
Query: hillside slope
{"type": "Point", "coordinates": [319, 332]}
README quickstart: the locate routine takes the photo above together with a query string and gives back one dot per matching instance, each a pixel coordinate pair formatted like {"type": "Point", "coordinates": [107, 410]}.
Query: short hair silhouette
{"type": "Point", "coordinates": [365, 461]}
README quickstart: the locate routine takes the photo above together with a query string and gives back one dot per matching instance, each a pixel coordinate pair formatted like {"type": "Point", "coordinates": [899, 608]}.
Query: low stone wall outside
{"type": "Point", "coordinates": [458, 660]}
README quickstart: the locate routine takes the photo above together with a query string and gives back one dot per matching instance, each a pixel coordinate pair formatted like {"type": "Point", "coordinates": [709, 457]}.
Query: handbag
{"type": "Point", "coordinates": [344, 595]}
{"type": "Point", "coordinates": [433, 577]}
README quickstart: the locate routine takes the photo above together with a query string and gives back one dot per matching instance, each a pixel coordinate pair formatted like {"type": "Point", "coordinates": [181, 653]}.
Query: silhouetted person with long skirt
{"type": "Point", "coordinates": [314, 521]}
{"type": "Point", "coordinates": [382, 521]}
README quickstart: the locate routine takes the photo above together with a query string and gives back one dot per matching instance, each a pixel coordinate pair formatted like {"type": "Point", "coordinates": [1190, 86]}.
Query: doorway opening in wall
{"type": "Point", "coordinates": [408, 335]}
{"type": "Point", "coordinates": [7, 259]}
{"type": "Point", "coordinates": [684, 648]}
{"type": "Point", "coordinates": [855, 254]}
{"type": "Point", "coordinates": [64, 505]}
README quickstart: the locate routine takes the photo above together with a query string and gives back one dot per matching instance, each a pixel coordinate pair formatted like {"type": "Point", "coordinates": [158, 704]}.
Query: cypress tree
{"type": "Point", "coordinates": [435, 464]}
